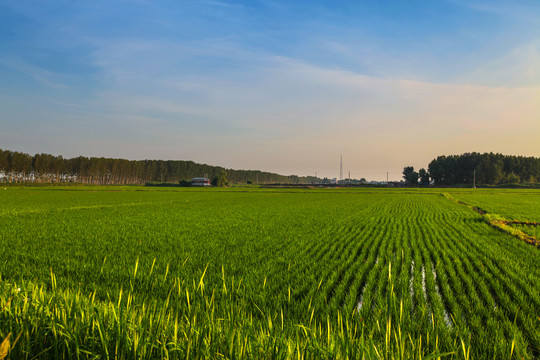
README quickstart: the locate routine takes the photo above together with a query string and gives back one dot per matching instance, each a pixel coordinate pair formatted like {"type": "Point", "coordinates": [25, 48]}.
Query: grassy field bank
{"type": "Point", "coordinates": [133, 272]}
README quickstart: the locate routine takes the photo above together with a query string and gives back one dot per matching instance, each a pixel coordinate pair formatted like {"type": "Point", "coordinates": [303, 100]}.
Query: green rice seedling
{"type": "Point", "coordinates": [376, 273]}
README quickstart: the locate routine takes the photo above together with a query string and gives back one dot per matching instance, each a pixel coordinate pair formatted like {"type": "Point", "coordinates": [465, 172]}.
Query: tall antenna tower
{"type": "Point", "coordinates": [340, 167]}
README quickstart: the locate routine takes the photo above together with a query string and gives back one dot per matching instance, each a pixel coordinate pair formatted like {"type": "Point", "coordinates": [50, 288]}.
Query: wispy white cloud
{"type": "Point", "coordinates": [524, 11]}
{"type": "Point", "coordinates": [292, 110]}
{"type": "Point", "coordinates": [37, 73]}
{"type": "Point", "coordinates": [519, 66]}
{"type": "Point", "coordinates": [224, 97]}
{"type": "Point", "coordinates": [223, 4]}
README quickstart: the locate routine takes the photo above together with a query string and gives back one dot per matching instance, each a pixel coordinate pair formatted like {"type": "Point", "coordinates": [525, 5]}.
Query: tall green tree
{"type": "Point", "coordinates": [424, 176]}
{"type": "Point", "coordinates": [489, 168]}
{"type": "Point", "coordinates": [220, 180]}
{"type": "Point", "coordinates": [410, 176]}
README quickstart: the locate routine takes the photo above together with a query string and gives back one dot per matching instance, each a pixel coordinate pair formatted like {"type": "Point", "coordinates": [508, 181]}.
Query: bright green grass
{"type": "Point", "coordinates": [512, 204]}
{"type": "Point", "coordinates": [531, 230]}
{"type": "Point", "coordinates": [249, 273]}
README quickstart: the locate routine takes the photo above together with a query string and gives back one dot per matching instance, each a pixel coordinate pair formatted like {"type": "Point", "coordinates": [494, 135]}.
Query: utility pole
{"type": "Point", "coordinates": [474, 179]}
{"type": "Point", "coordinates": [340, 168]}
{"type": "Point", "coordinates": [349, 176]}
{"type": "Point", "coordinates": [387, 178]}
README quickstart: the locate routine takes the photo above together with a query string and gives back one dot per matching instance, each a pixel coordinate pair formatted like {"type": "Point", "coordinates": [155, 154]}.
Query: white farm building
{"type": "Point", "coordinates": [200, 181]}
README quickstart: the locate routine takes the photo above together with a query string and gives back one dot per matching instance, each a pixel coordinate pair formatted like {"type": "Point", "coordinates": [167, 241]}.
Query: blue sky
{"type": "Point", "coordinates": [282, 86]}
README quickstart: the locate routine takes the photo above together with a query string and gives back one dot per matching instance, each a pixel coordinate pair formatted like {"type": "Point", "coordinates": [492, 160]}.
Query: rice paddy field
{"type": "Point", "coordinates": [248, 273]}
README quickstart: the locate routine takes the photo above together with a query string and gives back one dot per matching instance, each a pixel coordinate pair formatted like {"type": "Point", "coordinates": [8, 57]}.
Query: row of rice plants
{"type": "Point", "coordinates": [55, 323]}
{"type": "Point", "coordinates": [511, 204]}
{"type": "Point", "coordinates": [297, 273]}
{"type": "Point", "coordinates": [478, 304]}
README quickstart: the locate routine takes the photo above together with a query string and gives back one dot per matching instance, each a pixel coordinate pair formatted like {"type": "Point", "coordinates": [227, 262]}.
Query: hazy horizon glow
{"type": "Point", "coordinates": [277, 86]}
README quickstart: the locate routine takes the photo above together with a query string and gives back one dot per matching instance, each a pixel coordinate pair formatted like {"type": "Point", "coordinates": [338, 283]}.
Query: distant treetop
{"type": "Point", "coordinates": [486, 169]}
{"type": "Point", "coordinates": [46, 168]}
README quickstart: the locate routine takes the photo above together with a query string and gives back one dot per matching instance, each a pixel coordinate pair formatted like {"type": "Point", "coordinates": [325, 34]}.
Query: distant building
{"type": "Point", "coordinates": [200, 182]}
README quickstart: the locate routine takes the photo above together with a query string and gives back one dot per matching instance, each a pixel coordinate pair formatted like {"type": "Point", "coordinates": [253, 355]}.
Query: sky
{"type": "Point", "coordinates": [279, 86]}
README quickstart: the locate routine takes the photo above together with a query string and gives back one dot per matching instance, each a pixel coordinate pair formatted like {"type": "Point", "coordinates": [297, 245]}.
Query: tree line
{"type": "Point", "coordinates": [45, 168]}
{"type": "Point", "coordinates": [483, 169]}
